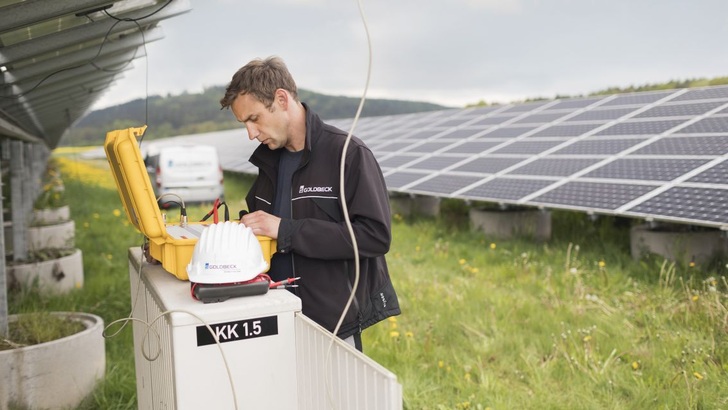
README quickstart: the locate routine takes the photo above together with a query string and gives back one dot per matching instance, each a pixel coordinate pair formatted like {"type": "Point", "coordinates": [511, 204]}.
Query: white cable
{"type": "Point", "coordinates": [159, 341]}
{"type": "Point", "coordinates": [345, 209]}
{"type": "Point", "coordinates": [182, 202]}
{"type": "Point", "coordinates": [146, 355]}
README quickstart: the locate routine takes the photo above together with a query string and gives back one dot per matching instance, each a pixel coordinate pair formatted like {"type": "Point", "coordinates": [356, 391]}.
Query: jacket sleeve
{"type": "Point", "coordinates": [368, 206]}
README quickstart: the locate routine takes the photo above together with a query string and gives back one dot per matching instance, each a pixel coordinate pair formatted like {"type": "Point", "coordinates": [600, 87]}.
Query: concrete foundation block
{"type": "Point", "coordinates": [677, 245]}
{"type": "Point", "coordinates": [508, 224]}
{"type": "Point", "coordinates": [407, 205]}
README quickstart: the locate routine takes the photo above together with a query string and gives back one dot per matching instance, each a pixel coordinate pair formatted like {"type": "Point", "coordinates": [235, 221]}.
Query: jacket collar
{"type": "Point", "coordinates": [266, 158]}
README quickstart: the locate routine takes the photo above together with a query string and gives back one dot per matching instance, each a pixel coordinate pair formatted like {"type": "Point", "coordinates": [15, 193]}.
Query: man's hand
{"type": "Point", "coordinates": [262, 223]}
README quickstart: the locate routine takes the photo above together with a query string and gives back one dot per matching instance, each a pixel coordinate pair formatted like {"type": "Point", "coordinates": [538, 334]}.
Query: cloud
{"type": "Point", "coordinates": [497, 6]}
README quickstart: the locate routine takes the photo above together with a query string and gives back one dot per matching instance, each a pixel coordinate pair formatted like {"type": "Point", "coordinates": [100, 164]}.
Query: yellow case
{"type": "Point", "coordinates": [142, 209]}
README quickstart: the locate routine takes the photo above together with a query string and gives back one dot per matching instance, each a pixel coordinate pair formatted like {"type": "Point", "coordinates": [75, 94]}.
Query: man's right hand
{"type": "Point", "coordinates": [262, 223]}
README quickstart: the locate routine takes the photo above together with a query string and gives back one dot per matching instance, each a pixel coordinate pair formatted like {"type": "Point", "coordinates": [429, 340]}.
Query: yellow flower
{"type": "Point", "coordinates": [587, 338]}
{"type": "Point", "coordinates": [394, 334]}
{"type": "Point", "coordinates": [695, 298]}
{"type": "Point", "coordinates": [692, 264]}
{"type": "Point", "coordinates": [635, 365]}
{"type": "Point", "coordinates": [109, 256]}
{"type": "Point", "coordinates": [467, 376]}
{"type": "Point", "coordinates": [462, 261]}
{"type": "Point", "coordinates": [393, 325]}
{"type": "Point", "coordinates": [86, 225]}
{"type": "Point", "coordinates": [417, 248]}
{"type": "Point", "coordinates": [440, 364]}
{"type": "Point", "coordinates": [409, 335]}
{"type": "Point", "coordinates": [602, 264]}
{"type": "Point", "coordinates": [117, 212]}
{"type": "Point", "coordinates": [698, 375]}
{"type": "Point", "coordinates": [392, 319]}
{"type": "Point", "coordinates": [492, 245]}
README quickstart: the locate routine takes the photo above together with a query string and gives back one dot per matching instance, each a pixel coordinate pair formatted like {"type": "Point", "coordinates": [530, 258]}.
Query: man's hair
{"type": "Point", "coordinates": [260, 78]}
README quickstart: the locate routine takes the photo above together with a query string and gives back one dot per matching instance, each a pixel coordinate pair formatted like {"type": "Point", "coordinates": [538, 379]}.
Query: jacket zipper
{"type": "Point", "coordinates": [293, 259]}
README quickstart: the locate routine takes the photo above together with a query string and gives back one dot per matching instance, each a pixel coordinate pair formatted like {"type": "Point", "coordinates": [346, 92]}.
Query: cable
{"type": "Point", "coordinates": [44, 79]}
{"type": "Point", "coordinates": [345, 208]}
{"type": "Point", "coordinates": [138, 18]}
{"type": "Point", "coordinates": [131, 318]}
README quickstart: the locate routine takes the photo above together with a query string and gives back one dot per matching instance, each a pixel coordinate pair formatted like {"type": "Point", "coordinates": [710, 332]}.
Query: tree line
{"type": "Point", "coordinates": [194, 113]}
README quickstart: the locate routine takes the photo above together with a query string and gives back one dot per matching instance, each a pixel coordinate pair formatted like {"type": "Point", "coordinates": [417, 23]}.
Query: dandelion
{"type": "Point", "coordinates": [440, 364]}
{"type": "Point", "coordinates": [692, 264]}
{"type": "Point", "coordinates": [393, 325]}
{"type": "Point", "coordinates": [462, 261]}
{"type": "Point", "coordinates": [635, 365]}
{"type": "Point", "coordinates": [698, 375]}
{"type": "Point", "coordinates": [695, 298]}
{"type": "Point", "coordinates": [602, 264]}
{"type": "Point", "coordinates": [492, 245]}
{"type": "Point", "coordinates": [587, 338]}
{"type": "Point", "coordinates": [467, 376]}
{"type": "Point", "coordinates": [117, 212]}
{"type": "Point", "coordinates": [392, 319]}
{"type": "Point", "coordinates": [409, 335]}
{"type": "Point", "coordinates": [417, 248]}
{"type": "Point", "coordinates": [394, 334]}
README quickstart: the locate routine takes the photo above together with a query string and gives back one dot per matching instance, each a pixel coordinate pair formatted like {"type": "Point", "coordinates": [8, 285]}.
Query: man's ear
{"type": "Point", "coordinates": [282, 98]}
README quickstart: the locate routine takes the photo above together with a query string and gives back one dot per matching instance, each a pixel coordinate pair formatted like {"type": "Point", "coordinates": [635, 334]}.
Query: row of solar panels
{"type": "Point", "coordinates": [655, 155]}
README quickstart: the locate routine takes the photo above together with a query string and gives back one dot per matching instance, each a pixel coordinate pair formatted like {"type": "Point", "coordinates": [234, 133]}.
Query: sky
{"type": "Point", "coordinates": [448, 52]}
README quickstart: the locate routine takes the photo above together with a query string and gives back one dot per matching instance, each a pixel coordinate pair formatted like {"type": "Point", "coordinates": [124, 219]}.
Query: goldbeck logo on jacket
{"type": "Point", "coordinates": [309, 189]}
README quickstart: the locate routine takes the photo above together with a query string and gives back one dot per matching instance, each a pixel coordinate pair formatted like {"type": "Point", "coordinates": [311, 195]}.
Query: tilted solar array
{"type": "Point", "coordinates": [655, 155]}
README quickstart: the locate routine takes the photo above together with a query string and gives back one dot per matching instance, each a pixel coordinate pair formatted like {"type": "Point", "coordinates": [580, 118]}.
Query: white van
{"type": "Point", "coordinates": [191, 171]}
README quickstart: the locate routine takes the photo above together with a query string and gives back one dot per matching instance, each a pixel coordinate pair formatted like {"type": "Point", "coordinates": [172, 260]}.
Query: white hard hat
{"type": "Point", "coordinates": [226, 252]}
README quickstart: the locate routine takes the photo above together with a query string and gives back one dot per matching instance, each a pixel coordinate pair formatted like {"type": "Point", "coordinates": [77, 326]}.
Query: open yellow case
{"type": "Point", "coordinates": [170, 244]}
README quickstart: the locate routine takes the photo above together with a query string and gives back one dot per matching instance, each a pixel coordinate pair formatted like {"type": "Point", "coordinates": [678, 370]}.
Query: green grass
{"type": "Point", "coordinates": [502, 324]}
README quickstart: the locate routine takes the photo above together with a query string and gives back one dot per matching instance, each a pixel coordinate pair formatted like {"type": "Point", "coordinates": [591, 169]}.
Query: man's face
{"type": "Point", "coordinates": [268, 126]}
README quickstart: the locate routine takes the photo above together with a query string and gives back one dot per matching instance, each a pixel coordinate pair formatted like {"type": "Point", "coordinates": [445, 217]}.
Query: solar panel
{"type": "Point", "coordinates": [597, 147]}
{"type": "Point", "coordinates": [662, 155]}
{"type": "Point", "coordinates": [592, 196]}
{"type": "Point", "coordinates": [717, 145]}
{"type": "Point", "coordinates": [505, 189]}
{"type": "Point", "coordinates": [717, 175]}
{"type": "Point", "coordinates": [688, 204]}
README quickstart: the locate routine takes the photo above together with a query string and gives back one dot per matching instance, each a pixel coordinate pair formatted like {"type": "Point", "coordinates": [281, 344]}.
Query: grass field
{"type": "Point", "coordinates": [573, 323]}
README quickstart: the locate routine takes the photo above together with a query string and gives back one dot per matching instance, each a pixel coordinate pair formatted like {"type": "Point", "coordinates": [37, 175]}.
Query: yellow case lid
{"type": "Point", "coordinates": [132, 181]}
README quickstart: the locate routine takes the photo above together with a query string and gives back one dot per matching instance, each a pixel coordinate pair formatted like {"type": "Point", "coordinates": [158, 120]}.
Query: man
{"type": "Point", "coordinates": [296, 200]}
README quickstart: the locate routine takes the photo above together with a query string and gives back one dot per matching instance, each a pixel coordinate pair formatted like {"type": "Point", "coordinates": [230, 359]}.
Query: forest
{"type": "Point", "coordinates": [188, 113]}
{"type": "Point", "coordinates": [184, 114]}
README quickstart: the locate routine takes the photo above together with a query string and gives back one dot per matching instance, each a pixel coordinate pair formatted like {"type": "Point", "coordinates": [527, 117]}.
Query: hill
{"type": "Point", "coordinates": [197, 113]}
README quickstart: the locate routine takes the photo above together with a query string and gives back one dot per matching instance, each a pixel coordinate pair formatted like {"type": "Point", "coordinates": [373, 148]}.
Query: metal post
{"type": "Point", "coordinates": [3, 278]}
{"type": "Point", "coordinates": [18, 214]}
